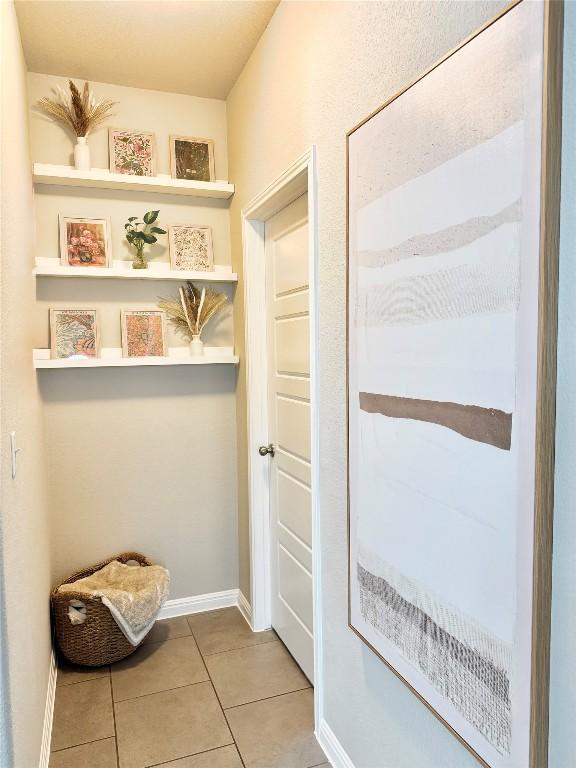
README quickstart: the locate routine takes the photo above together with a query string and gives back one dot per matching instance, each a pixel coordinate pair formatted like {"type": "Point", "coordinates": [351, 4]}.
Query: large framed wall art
{"type": "Point", "coordinates": [453, 218]}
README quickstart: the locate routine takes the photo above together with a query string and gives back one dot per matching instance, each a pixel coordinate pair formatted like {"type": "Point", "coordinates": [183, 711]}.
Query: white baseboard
{"type": "Point", "coordinates": [48, 713]}
{"type": "Point", "coordinates": [245, 607]}
{"type": "Point", "coordinates": [198, 603]}
{"type": "Point", "coordinates": [333, 750]}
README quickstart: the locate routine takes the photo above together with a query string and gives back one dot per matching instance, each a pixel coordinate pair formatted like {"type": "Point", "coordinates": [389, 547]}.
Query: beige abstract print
{"type": "Point", "coordinates": [191, 247]}
{"type": "Point", "coordinates": [443, 276]}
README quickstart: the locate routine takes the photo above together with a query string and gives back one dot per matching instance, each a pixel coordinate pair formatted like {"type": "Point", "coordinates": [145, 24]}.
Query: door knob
{"type": "Point", "coordinates": [264, 450]}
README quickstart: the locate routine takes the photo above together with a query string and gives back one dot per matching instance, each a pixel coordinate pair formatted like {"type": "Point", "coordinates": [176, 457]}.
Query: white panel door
{"type": "Point", "coordinates": [287, 292]}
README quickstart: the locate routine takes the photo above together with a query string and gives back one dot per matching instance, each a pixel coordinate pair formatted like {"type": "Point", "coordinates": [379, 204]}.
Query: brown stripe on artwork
{"type": "Point", "coordinates": [485, 425]}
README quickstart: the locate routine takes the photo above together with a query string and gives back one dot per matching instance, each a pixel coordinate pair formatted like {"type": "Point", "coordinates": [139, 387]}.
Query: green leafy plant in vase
{"type": "Point", "coordinates": [142, 233]}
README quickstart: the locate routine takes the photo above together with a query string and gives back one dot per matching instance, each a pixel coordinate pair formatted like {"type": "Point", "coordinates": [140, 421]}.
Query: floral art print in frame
{"type": "Point", "coordinates": [132, 152]}
{"type": "Point", "coordinates": [74, 333]}
{"type": "Point", "coordinates": [84, 242]}
{"type": "Point", "coordinates": [143, 333]}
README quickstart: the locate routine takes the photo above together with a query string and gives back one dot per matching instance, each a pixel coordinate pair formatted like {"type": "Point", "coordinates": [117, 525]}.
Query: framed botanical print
{"type": "Point", "coordinates": [453, 210]}
{"type": "Point", "coordinates": [143, 333]}
{"type": "Point", "coordinates": [84, 242]}
{"type": "Point", "coordinates": [192, 159]}
{"type": "Point", "coordinates": [132, 152]}
{"type": "Point", "coordinates": [190, 247]}
{"type": "Point", "coordinates": [74, 333]}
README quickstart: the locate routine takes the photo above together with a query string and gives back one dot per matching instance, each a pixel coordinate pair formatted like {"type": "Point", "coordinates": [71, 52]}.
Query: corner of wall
{"type": "Point", "coordinates": [25, 561]}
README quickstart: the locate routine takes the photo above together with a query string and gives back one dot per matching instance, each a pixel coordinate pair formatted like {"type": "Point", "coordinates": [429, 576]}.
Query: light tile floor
{"type": "Point", "coordinates": [203, 691]}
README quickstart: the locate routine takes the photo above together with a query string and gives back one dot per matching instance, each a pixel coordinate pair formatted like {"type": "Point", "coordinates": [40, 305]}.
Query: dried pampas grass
{"type": "Point", "coordinates": [78, 111]}
{"type": "Point", "coordinates": [194, 307]}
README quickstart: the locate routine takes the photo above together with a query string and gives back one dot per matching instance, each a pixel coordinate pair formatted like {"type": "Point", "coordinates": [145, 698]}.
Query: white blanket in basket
{"type": "Point", "coordinates": [134, 595]}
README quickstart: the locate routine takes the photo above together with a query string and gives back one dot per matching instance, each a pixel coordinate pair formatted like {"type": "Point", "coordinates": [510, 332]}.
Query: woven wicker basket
{"type": "Point", "coordinates": [99, 640]}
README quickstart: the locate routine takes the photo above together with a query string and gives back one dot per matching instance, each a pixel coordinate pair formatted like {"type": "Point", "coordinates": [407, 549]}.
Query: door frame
{"type": "Point", "coordinates": [298, 179]}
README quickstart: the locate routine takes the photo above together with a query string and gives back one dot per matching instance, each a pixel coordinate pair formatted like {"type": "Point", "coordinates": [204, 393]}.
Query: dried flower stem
{"type": "Point", "coordinates": [194, 307]}
{"type": "Point", "coordinates": [80, 112]}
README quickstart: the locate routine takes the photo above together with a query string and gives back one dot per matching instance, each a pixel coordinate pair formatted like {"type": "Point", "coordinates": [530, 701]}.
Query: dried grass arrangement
{"type": "Point", "coordinates": [194, 307]}
{"type": "Point", "coordinates": [78, 111]}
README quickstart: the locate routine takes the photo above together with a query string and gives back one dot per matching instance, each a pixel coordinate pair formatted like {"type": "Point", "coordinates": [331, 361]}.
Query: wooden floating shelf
{"type": "Point", "coordinates": [111, 357]}
{"type": "Point", "coordinates": [99, 178]}
{"type": "Point", "coordinates": [123, 270]}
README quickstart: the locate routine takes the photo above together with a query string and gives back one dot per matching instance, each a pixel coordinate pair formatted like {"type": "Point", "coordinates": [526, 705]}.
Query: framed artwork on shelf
{"type": "Point", "coordinates": [74, 333]}
{"type": "Point", "coordinates": [192, 159]}
{"type": "Point", "coordinates": [132, 152]}
{"type": "Point", "coordinates": [452, 254]}
{"type": "Point", "coordinates": [190, 247]}
{"type": "Point", "coordinates": [84, 242]}
{"type": "Point", "coordinates": [143, 333]}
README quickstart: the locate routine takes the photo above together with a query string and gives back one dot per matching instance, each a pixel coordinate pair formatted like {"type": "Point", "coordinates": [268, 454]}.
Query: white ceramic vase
{"type": "Point", "coordinates": [82, 154]}
{"type": "Point", "coordinates": [196, 346]}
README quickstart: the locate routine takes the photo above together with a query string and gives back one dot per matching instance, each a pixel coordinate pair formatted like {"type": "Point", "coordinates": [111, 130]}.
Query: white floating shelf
{"type": "Point", "coordinates": [111, 357]}
{"type": "Point", "coordinates": [99, 178]}
{"type": "Point", "coordinates": [123, 270]}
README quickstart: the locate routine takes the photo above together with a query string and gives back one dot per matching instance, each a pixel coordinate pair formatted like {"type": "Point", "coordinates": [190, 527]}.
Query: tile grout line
{"type": "Point", "coordinates": [267, 698]}
{"type": "Point", "coordinates": [176, 687]}
{"type": "Point", "coordinates": [274, 638]}
{"type": "Point", "coordinates": [90, 741]}
{"type": "Point", "coordinates": [78, 682]}
{"type": "Point", "coordinates": [204, 657]}
{"type": "Point", "coordinates": [206, 613]}
{"type": "Point", "coordinates": [144, 644]}
{"type": "Point", "coordinates": [114, 719]}
{"type": "Point", "coordinates": [240, 647]}
{"type": "Point", "coordinates": [227, 723]}
{"type": "Point", "coordinates": [82, 744]}
{"type": "Point", "coordinates": [163, 690]}
{"type": "Point", "coordinates": [198, 754]}
{"type": "Point", "coordinates": [242, 705]}
{"type": "Point", "coordinates": [227, 650]}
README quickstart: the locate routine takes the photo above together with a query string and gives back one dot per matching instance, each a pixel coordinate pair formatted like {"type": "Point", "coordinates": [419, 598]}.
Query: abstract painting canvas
{"type": "Point", "coordinates": [445, 186]}
{"type": "Point", "coordinates": [143, 333]}
{"type": "Point", "coordinates": [74, 333]}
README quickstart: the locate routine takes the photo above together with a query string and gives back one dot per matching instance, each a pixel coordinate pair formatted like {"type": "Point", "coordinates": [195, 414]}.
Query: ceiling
{"type": "Point", "coordinates": [197, 47]}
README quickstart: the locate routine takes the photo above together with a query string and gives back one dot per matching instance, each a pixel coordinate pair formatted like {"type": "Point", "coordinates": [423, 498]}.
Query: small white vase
{"type": "Point", "coordinates": [82, 154]}
{"type": "Point", "coordinates": [196, 346]}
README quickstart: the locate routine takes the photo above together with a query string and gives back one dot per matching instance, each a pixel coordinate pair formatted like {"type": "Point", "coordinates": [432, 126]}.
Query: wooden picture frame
{"type": "Point", "coordinates": [143, 333]}
{"type": "Point", "coordinates": [132, 152]}
{"type": "Point", "coordinates": [191, 247]}
{"type": "Point", "coordinates": [378, 199]}
{"type": "Point", "coordinates": [192, 158]}
{"type": "Point", "coordinates": [84, 242]}
{"type": "Point", "coordinates": [74, 333]}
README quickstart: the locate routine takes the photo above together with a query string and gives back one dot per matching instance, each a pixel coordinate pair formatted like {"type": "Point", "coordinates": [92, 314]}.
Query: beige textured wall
{"type": "Point", "coordinates": [320, 68]}
{"type": "Point", "coordinates": [24, 530]}
{"type": "Point", "coordinates": [139, 458]}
